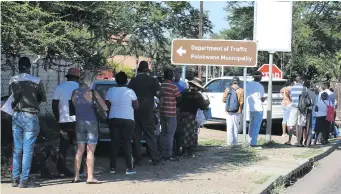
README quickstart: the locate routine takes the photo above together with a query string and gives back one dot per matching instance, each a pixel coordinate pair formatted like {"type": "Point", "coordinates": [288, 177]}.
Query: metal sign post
{"type": "Point", "coordinates": [183, 75]}
{"type": "Point", "coordinates": [269, 100]}
{"type": "Point", "coordinates": [244, 107]}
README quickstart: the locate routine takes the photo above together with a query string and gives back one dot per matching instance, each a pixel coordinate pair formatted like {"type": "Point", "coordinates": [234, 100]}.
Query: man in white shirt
{"type": "Point", "coordinates": [67, 121]}
{"type": "Point", "coordinates": [254, 98]}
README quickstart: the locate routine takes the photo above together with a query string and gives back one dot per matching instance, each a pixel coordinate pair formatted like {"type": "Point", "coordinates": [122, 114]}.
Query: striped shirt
{"type": "Point", "coordinates": [171, 92]}
{"type": "Point", "coordinates": [295, 92]}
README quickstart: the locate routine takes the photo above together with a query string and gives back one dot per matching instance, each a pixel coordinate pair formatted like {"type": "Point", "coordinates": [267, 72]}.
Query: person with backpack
{"type": "Point", "coordinates": [234, 99]}
{"type": "Point", "coordinates": [254, 99]}
{"type": "Point", "coordinates": [299, 107]}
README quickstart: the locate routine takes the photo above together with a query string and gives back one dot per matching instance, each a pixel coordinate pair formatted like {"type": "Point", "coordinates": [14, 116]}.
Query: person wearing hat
{"type": "Point", "coordinates": [191, 101]}
{"type": "Point", "coordinates": [28, 92]}
{"type": "Point", "coordinates": [233, 118]}
{"type": "Point", "coordinates": [146, 88]}
{"type": "Point", "coordinates": [255, 96]}
{"type": "Point", "coordinates": [67, 123]}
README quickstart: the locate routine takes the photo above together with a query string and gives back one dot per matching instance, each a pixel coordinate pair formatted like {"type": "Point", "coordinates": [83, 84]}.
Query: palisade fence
{"type": "Point", "coordinates": [50, 77]}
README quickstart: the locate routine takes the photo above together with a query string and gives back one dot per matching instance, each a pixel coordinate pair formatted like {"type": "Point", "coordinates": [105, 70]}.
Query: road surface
{"type": "Point", "coordinates": [325, 178]}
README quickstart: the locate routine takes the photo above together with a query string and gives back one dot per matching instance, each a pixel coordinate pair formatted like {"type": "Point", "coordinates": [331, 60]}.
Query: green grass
{"type": "Point", "coordinates": [263, 179]}
{"type": "Point", "coordinates": [278, 188]}
{"type": "Point", "coordinates": [241, 156]}
{"type": "Point", "coordinates": [309, 153]}
{"type": "Point", "coordinates": [211, 142]}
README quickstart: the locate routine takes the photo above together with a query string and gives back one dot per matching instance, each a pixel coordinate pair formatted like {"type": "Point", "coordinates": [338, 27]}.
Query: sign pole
{"type": "Point", "coordinates": [269, 100]}
{"type": "Point", "coordinates": [244, 108]}
{"type": "Point", "coordinates": [183, 75]}
{"type": "Point", "coordinates": [222, 71]}
{"type": "Point", "coordinates": [206, 74]}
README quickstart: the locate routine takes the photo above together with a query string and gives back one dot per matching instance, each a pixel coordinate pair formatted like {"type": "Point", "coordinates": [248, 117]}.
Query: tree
{"type": "Point", "coordinates": [90, 32]}
{"type": "Point", "coordinates": [316, 36]}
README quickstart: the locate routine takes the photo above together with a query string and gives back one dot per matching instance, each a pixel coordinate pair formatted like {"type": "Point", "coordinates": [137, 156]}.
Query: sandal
{"type": "Point", "coordinates": [76, 181]}
{"type": "Point", "coordinates": [93, 182]}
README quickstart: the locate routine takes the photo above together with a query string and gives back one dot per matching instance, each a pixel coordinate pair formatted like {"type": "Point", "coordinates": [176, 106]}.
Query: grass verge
{"type": "Point", "coordinates": [211, 142]}
{"type": "Point", "coordinates": [309, 153]}
{"type": "Point", "coordinates": [262, 179]}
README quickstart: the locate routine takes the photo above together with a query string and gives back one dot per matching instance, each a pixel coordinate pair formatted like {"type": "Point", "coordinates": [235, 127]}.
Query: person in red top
{"type": "Point", "coordinates": [168, 115]}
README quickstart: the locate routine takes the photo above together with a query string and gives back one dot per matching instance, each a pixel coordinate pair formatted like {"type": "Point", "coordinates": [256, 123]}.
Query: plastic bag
{"type": "Point", "coordinates": [200, 118]}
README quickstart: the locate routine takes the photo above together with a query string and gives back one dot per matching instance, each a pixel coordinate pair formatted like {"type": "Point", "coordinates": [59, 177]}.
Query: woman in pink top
{"type": "Point", "coordinates": [286, 105]}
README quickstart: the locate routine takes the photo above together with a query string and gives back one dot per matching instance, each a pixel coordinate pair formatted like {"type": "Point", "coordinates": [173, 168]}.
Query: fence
{"type": "Point", "coordinates": [50, 78]}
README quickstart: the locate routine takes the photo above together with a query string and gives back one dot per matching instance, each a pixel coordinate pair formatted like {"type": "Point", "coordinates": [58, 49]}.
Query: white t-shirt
{"type": "Point", "coordinates": [63, 93]}
{"type": "Point", "coordinates": [254, 93]}
{"type": "Point", "coordinates": [322, 107]}
{"type": "Point", "coordinates": [121, 102]}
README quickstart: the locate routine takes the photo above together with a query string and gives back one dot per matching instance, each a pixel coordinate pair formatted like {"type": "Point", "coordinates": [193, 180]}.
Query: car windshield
{"type": "Point", "coordinates": [276, 86]}
{"type": "Point", "coordinates": [102, 89]}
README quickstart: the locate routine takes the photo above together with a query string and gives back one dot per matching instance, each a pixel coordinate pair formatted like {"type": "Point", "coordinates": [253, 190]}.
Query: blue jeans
{"type": "Point", "coordinates": [168, 128]}
{"type": "Point", "coordinates": [25, 128]}
{"type": "Point", "coordinates": [256, 119]}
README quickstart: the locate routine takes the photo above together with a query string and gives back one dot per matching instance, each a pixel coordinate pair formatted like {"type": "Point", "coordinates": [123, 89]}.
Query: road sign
{"type": "Point", "coordinates": [237, 53]}
{"type": "Point", "coordinates": [276, 72]}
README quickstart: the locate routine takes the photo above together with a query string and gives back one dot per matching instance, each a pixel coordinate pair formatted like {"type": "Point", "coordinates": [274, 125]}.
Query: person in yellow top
{"type": "Point", "coordinates": [234, 107]}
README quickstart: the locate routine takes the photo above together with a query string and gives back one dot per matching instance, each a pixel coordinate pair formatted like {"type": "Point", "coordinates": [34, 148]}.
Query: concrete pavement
{"type": "Point", "coordinates": [324, 178]}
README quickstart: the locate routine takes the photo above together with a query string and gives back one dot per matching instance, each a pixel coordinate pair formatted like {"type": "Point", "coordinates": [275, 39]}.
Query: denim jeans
{"type": "Point", "coordinates": [256, 119]}
{"type": "Point", "coordinates": [25, 128]}
{"type": "Point", "coordinates": [168, 128]}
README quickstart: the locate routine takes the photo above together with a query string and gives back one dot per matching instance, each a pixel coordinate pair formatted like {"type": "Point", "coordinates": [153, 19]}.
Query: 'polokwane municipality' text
{"type": "Point", "coordinates": [221, 57]}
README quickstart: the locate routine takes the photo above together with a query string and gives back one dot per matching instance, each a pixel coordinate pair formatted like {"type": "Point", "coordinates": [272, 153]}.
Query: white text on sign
{"type": "Point", "coordinates": [274, 75]}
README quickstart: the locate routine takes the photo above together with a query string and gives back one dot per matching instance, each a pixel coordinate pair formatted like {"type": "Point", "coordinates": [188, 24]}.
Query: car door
{"type": "Point", "coordinates": [215, 90]}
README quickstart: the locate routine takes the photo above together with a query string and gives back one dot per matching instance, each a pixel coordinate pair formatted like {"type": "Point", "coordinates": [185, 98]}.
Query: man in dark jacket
{"type": "Point", "coordinates": [28, 92]}
{"type": "Point", "coordinates": [145, 87]}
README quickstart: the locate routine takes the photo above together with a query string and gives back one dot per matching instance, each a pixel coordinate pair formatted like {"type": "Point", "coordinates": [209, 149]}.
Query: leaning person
{"type": "Point", "coordinates": [83, 100]}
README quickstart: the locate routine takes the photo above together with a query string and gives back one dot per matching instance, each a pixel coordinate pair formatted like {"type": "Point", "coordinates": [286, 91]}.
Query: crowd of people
{"type": "Point", "coordinates": [130, 110]}
{"type": "Point", "coordinates": [310, 110]}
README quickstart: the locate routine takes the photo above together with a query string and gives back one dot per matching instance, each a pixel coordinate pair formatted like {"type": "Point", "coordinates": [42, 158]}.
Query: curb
{"type": "Point", "coordinates": [303, 167]}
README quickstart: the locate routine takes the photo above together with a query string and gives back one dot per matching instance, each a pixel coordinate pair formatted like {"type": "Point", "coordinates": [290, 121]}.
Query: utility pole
{"type": "Point", "coordinates": [200, 32]}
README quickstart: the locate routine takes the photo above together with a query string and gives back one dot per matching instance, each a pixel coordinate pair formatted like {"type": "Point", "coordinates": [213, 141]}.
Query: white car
{"type": "Point", "coordinates": [215, 88]}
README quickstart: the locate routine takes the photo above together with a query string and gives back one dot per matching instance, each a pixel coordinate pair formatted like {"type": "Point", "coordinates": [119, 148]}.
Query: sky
{"type": "Point", "coordinates": [216, 13]}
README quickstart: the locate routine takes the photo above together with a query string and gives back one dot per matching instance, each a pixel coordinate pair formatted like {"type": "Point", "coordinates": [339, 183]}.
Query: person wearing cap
{"type": "Point", "coordinates": [28, 92]}
{"type": "Point", "coordinates": [255, 96]}
{"type": "Point", "coordinates": [233, 119]}
{"type": "Point", "coordinates": [67, 123]}
{"type": "Point", "coordinates": [145, 88]}
{"type": "Point", "coordinates": [191, 101]}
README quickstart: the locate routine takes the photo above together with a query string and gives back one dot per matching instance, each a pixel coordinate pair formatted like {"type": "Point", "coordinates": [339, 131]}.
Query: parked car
{"type": "Point", "coordinates": [215, 89]}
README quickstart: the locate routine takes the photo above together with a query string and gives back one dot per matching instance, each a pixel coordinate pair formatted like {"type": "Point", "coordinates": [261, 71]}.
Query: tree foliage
{"type": "Point", "coordinates": [315, 42]}
{"type": "Point", "coordinates": [90, 32]}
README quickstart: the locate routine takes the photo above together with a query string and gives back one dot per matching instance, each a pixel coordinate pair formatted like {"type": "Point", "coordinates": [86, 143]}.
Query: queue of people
{"type": "Point", "coordinates": [306, 110]}
{"type": "Point", "coordinates": [130, 111]}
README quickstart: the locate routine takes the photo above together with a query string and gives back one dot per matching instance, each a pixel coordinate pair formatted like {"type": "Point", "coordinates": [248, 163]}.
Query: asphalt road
{"type": "Point", "coordinates": [325, 178]}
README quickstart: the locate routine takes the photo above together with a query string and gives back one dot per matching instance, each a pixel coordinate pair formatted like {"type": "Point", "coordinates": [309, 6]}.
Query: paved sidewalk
{"type": "Point", "coordinates": [218, 169]}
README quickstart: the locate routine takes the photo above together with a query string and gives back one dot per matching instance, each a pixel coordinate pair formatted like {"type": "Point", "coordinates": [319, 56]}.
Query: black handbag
{"type": "Point", "coordinates": [99, 111]}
